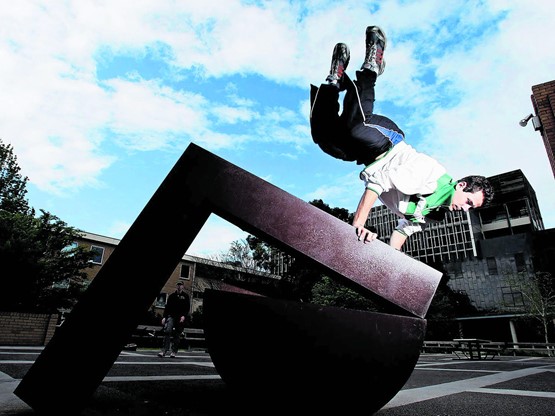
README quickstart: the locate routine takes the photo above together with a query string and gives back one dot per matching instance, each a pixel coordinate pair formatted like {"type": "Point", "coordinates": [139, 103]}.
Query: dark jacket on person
{"type": "Point", "coordinates": [178, 305]}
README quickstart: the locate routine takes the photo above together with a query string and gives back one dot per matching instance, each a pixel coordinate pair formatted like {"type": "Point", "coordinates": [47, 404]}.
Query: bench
{"type": "Point", "coordinates": [153, 335]}
{"type": "Point", "coordinates": [194, 338]}
{"type": "Point", "coordinates": [531, 348]}
{"type": "Point", "coordinates": [149, 330]}
{"type": "Point", "coordinates": [439, 346]}
{"type": "Point", "coordinates": [516, 348]}
{"type": "Point", "coordinates": [459, 349]}
{"type": "Point", "coordinates": [490, 349]}
{"type": "Point", "coordinates": [494, 349]}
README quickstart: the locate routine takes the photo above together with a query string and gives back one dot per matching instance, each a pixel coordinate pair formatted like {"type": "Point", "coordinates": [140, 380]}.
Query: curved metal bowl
{"type": "Point", "coordinates": [274, 353]}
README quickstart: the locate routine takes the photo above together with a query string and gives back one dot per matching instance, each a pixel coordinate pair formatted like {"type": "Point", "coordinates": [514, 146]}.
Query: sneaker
{"type": "Point", "coordinates": [161, 354]}
{"type": "Point", "coordinates": [375, 47]}
{"type": "Point", "coordinates": [339, 61]}
{"type": "Point", "coordinates": [172, 355]}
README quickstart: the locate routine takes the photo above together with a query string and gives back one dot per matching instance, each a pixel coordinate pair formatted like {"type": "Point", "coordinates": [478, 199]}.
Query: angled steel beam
{"type": "Point", "coordinates": [83, 350]}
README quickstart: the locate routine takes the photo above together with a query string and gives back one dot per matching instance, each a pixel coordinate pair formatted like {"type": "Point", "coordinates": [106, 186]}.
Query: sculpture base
{"type": "Point", "coordinates": [286, 355]}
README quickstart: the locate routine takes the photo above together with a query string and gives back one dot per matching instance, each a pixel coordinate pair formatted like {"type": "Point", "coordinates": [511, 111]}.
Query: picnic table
{"type": "Point", "coordinates": [471, 348]}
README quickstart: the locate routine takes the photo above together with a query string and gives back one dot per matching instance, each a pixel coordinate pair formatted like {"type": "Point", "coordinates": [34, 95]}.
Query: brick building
{"type": "Point", "coordinates": [543, 101]}
{"type": "Point", "coordinates": [195, 273]}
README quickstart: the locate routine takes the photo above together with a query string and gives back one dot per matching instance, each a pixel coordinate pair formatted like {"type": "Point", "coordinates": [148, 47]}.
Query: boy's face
{"type": "Point", "coordinates": [465, 200]}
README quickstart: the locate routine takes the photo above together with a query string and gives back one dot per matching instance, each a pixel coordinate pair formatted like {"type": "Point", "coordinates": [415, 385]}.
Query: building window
{"type": "Point", "coordinates": [70, 248]}
{"type": "Point", "coordinates": [457, 267]}
{"type": "Point", "coordinates": [98, 254]}
{"type": "Point", "coordinates": [161, 300]}
{"type": "Point", "coordinates": [184, 274]}
{"type": "Point", "coordinates": [64, 284]}
{"type": "Point", "coordinates": [512, 297]}
{"type": "Point", "coordinates": [520, 263]}
{"type": "Point", "coordinates": [492, 265]}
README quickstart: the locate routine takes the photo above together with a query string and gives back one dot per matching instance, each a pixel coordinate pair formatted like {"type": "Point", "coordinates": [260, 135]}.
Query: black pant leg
{"type": "Point", "coordinates": [359, 98]}
{"type": "Point", "coordinates": [328, 129]}
{"type": "Point", "coordinates": [371, 134]}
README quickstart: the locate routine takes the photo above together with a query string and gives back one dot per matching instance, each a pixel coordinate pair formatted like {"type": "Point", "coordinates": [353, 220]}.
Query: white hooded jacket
{"type": "Point", "coordinates": [400, 174]}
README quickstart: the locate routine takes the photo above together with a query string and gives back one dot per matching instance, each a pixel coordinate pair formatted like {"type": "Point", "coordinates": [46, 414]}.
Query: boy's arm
{"type": "Point", "coordinates": [366, 203]}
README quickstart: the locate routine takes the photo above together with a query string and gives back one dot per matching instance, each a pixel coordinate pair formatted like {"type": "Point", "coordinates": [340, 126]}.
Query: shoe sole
{"type": "Point", "coordinates": [381, 35]}
{"type": "Point", "coordinates": [378, 31]}
{"type": "Point", "coordinates": [338, 55]}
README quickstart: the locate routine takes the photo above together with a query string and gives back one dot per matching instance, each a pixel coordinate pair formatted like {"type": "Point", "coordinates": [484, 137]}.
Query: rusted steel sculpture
{"type": "Point", "coordinates": [278, 356]}
{"type": "Point", "coordinates": [198, 185]}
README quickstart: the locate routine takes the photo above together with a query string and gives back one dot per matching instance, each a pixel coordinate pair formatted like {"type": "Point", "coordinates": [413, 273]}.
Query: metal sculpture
{"type": "Point", "coordinates": [198, 185]}
{"type": "Point", "coordinates": [278, 356]}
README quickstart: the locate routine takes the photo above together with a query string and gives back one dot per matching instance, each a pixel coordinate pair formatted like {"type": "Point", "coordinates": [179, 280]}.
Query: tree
{"type": "Point", "coordinates": [12, 185]}
{"type": "Point", "coordinates": [249, 254]}
{"type": "Point", "coordinates": [42, 266]}
{"type": "Point", "coordinates": [327, 292]}
{"type": "Point", "coordinates": [240, 255]}
{"type": "Point", "coordinates": [340, 213]}
{"type": "Point", "coordinates": [538, 291]}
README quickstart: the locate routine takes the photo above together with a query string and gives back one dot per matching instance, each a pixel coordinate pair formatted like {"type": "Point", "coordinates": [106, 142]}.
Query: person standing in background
{"type": "Point", "coordinates": [175, 312]}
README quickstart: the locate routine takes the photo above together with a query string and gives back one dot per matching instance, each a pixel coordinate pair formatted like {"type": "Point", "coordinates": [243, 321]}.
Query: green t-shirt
{"type": "Point", "coordinates": [421, 206]}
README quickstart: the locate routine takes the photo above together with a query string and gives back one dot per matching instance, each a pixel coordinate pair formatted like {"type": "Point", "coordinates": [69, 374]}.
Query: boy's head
{"type": "Point", "coordinates": [471, 192]}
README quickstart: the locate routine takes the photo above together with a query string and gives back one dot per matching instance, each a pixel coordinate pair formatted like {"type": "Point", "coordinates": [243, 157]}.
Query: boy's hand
{"type": "Point", "coordinates": [365, 235]}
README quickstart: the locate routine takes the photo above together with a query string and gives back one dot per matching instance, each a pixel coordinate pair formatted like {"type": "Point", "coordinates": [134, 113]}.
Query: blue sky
{"type": "Point", "coordinates": [99, 99]}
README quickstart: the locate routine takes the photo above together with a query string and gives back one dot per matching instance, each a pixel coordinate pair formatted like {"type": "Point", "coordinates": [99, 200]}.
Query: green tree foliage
{"type": "Point", "coordinates": [262, 254]}
{"type": "Point", "coordinates": [327, 292]}
{"type": "Point", "coordinates": [42, 267]}
{"type": "Point", "coordinates": [239, 254]}
{"type": "Point", "coordinates": [12, 184]}
{"type": "Point", "coordinates": [340, 213]}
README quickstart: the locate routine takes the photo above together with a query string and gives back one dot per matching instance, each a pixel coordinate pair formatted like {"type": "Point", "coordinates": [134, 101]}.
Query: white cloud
{"type": "Point", "coordinates": [215, 237]}
{"type": "Point", "coordinates": [461, 73]}
{"type": "Point", "coordinates": [233, 115]}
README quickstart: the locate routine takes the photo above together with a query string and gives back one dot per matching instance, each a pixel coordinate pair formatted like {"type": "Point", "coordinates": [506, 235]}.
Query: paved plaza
{"type": "Point", "coordinates": [142, 384]}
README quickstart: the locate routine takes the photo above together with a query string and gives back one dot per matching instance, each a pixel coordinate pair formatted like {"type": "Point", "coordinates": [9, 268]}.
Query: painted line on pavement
{"type": "Point", "coordinates": [162, 378]}
{"type": "Point", "coordinates": [409, 396]}
{"type": "Point", "coordinates": [528, 393]}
